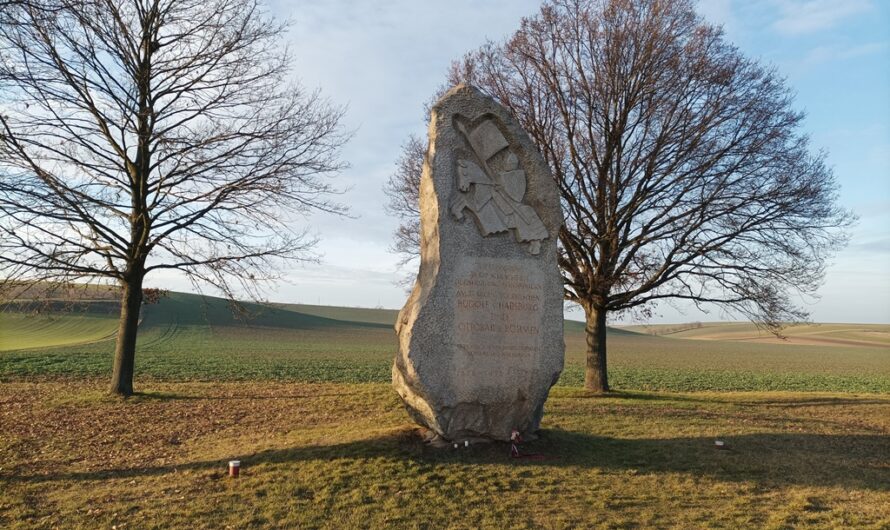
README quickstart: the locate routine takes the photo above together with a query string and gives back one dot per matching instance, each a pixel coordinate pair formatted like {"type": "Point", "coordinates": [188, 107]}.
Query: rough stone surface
{"type": "Point", "coordinates": [481, 335]}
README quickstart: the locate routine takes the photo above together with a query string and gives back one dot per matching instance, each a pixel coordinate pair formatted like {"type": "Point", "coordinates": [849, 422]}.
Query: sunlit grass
{"type": "Point", "coordinates": [23, 331]}
{"type": "Point", "coordinates": [335, 456]}
{"type": "Point", "coordinates": [301, 396]}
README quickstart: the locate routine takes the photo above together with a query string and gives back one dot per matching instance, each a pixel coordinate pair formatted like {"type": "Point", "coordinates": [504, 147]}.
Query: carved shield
{"type": "Point", "coordinates": [514, 184]}
{"type": "Point", "coordinates": [487, 139]}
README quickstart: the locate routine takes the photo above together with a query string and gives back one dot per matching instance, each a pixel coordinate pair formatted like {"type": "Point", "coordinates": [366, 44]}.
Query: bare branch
{"type": "Point", "coordinates": [156, 134]}
{"type": "Point", "coordinates": [681, 164]}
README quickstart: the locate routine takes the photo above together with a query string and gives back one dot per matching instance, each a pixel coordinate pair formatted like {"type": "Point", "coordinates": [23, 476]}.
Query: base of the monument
{"type": "Point", "coordinates": [439, 442]}
{"type": "Point", "coordinates": [468, 420]}
{"type": "Point", "coordinates": [435, 440]}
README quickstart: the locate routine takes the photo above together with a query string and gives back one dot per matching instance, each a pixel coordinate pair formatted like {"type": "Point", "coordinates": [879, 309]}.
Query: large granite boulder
{"type": "Point", "coordinates": [481, 335]}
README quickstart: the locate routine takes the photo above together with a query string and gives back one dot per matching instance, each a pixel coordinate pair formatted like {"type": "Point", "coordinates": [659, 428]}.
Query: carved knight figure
{"type": "Point", "coordinates": [491, 185]}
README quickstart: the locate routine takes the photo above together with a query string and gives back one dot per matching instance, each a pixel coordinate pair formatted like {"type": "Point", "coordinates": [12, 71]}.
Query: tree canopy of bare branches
{"type": "Point", "coordinates": [144, 135]}
{"type": "Point", "coordinates": [403, 191]}
{"type": "Point", "coordinates": [682, 165]}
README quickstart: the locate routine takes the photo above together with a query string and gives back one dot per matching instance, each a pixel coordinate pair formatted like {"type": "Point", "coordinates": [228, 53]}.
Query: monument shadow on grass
{"type": "Point", "coordinates": [774, 459]}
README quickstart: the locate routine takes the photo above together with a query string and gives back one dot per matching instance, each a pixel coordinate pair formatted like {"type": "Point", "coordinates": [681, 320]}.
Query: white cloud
{"type": "Point", "coordinates": [806, 16]}
{"type": "Point", "coordinates": [717, 12]}
{"type": "Point", "coordinates": [386, 58]}
{"type": "Point", "coordinates": [824, 54]}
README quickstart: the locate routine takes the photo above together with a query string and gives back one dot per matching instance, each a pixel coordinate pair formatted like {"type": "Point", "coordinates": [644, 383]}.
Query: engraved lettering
{"type": "Point", "coordinates": [498, 311]}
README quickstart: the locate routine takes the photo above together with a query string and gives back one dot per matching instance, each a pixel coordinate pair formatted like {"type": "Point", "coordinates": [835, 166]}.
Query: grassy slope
{"type": "Point", "coordinates": [189, 337]}
{"type": "Point", "coordinates": [874, 335]}
{"type": "Point", "coordinates": [350, 314]}
{"type": "Point", "coordinates": [345, 456]}
{"type": "Point", "coordinates": [22, 331]}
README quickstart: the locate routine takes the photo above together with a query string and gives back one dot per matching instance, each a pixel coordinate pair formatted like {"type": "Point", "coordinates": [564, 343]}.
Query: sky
{"type": "Point", "coordinates": [385, 59]}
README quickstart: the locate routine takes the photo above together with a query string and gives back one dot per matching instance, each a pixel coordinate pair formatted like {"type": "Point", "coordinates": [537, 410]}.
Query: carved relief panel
{"type": "Point", "coordinates": [491, 184]}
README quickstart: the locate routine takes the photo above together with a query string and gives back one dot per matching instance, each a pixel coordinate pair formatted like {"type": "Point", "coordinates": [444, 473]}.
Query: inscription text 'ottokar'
{"type": "Point", "coordinates": [498, 309]}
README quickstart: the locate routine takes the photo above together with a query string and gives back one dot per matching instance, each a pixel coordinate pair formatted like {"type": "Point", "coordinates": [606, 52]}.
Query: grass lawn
{"type": "Point", "coordinates": [343, 456]}
{"type": "Point", "coordinates": [187, 337]}
{"type": "Point", "coordinates": [301, 395]}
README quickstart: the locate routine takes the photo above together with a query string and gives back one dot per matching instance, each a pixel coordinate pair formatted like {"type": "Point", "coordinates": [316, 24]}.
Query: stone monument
{"type": "Point", "coordinates": [481, 335]}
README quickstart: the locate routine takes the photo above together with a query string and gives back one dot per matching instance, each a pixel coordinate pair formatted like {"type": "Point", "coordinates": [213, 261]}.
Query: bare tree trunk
{"type": "Point", "coordinates": [125, 350]}
{"type": "Point", "coordinates": [595, 376]}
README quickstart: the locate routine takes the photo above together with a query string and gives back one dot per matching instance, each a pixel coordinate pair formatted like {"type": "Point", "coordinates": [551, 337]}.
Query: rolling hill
{"type": "Point", "coordinates": [868, 335]}
{"type": "Point", "coordinates": [187, 336]}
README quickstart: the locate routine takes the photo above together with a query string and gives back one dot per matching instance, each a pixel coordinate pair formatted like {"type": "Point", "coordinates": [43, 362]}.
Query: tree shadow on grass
{"type": "Point", "coordinates": [772, 459]}
{"type": "Point", "coordinates": [814, 402]}
{"type": "Point", "coordinates": [173, 396]}
{"type": "Point", "coordinates": [791, 401]}
{"type": "Point", "coordinates": [850, 461]}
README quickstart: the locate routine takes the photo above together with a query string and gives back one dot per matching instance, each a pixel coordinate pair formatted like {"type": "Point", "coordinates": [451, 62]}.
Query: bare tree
{"type": "Point", "coordinates": [403, 191]}
{"type": "Point", "coordinates": [147, 135]}
{"type": "Point", "coordinates": [681, 164]}
{"type": "Point", "coordinates": [403, 186]}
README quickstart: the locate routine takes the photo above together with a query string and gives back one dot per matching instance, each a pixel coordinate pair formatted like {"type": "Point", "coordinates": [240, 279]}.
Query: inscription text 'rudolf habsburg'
{"type": "Point", "coordinates": [498, 307]}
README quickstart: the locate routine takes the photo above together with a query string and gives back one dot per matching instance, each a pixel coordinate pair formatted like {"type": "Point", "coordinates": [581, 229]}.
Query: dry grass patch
{"type": "Point", "coordinates": [344, 455]}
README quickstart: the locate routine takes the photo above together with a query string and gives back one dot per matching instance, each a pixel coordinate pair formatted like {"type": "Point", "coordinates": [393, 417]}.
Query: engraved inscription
{"type": "Point", "coordinates": [491, 185]}
{"type": "Point", "coordinates": [498, 311]}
